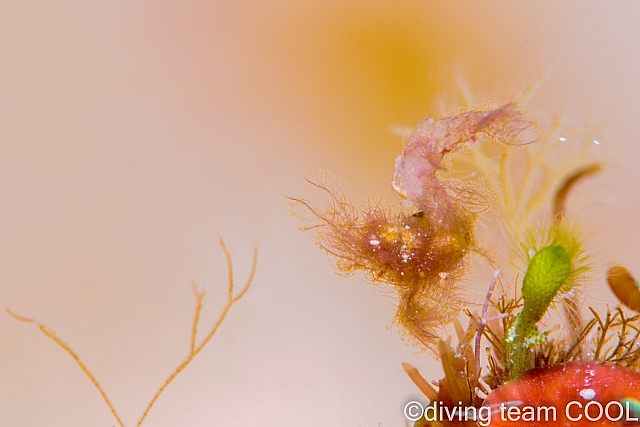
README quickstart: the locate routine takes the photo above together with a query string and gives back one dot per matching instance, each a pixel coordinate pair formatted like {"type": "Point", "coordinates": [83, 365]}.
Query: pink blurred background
{"type": "Point", "coordinates": [133, 134]}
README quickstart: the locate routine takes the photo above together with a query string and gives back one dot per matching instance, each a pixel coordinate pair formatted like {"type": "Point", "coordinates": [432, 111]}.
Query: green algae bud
{"type": "Point", "coordinates": [553, 252]}
{"type": "Point", "coordinates": [547, 272]}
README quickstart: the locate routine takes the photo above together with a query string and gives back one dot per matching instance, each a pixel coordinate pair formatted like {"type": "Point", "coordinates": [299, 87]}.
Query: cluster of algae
{"type": "Point", "coordinates": [391, 245]}
{"type": "Point", "coordinates": [422, 247]}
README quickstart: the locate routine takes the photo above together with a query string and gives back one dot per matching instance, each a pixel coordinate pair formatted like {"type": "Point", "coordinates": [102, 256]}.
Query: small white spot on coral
{"type": "Point", "coordinates": [587, 393]}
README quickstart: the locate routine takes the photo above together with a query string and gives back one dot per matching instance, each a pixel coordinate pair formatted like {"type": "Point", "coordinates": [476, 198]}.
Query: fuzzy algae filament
{"type": "Point", "coordinates": [391, 245]}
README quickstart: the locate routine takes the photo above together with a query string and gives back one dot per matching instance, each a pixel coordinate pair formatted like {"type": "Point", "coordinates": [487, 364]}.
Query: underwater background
{"type": "Point", "coordinates": [133, 134]}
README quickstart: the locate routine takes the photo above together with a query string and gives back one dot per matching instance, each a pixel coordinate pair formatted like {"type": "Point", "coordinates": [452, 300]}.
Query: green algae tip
{"type": "Point", "coordinates": [547, 272]}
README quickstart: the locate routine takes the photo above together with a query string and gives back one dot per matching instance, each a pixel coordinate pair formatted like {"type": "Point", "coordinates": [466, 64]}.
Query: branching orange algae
{"type": "Point", "coordinates": [194, 348]}
{"type": "Point", "coordinates": [423, 250]}
{"type": "Point", "coordinates": [53, 336]}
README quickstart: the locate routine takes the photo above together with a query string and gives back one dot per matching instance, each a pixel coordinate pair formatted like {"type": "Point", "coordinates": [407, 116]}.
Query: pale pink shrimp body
{"type": "Point", "coordinates": [415, 172]}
